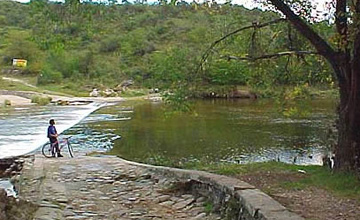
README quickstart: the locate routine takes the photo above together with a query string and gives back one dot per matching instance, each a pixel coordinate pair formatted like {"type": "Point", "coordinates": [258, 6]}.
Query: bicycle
{"type": "Point", "coordinates": [48, 149]}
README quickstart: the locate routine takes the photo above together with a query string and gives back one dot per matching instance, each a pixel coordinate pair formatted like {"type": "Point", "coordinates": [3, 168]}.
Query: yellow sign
{"type": "Point", "coordinates": [19, 62]}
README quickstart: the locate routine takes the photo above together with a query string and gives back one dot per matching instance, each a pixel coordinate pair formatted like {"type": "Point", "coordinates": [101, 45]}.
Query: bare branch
{"type": "Point", "coordinates": [270, 56]}
{"type": "Point", "coordinates": [320, 44]}
{"type": "Point", "coordinates": [254, 25]}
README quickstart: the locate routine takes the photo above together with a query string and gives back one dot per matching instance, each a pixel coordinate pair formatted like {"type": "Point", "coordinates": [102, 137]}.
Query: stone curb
{"type": "Point", "coordinates": [235, 199]}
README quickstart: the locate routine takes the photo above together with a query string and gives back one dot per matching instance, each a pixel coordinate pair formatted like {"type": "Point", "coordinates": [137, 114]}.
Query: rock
{"type": "Point", "coordinates": [201, 199]}
{"type": "Point", "coordinates": [163, 198]}
{"type": "Point", "coordinates": [183, 204]}
{"type": "Point", "coordinates": [109, 93]}
{"type": "Point", "coordinates": [187, 196]}
{"type": "Point", "coordinates": [124, 85]}
{"type": "Point", "coordinates": [94, 93]}
{"type": "Point", "coordinates": [242, 94]}
{"type": "Point", "coordinates": [132, 199]}
{"type": "Point", "coordinates": [200, 216]}
{"type": "Point", "coordinates": [167, 203]}
{"type": "Point", "coordinates": [146, 176]}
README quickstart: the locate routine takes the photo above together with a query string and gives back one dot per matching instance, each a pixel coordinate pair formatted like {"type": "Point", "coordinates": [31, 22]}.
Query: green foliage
{"type": "Point", "coordinates": [49, 76]}
{"type": "Point", "coordinates": [171, 67]}
{"type": "Point", "coordinates": [40, 100]}
{"type": "Point", "coordinates": [19, 45]}
{"type": "Point", "coordinates": [161, 160]}
{"type": "Point", "coordinates": [293, 101]}
{"type": "Point", "coordinates": [154, 45]}
{"type": "Point", "coordinates": [108, 45]}
{"type": "Point", "coordinates": [133, 93]}
{"type": "Point", "coordinates": [208, 207]}
{"type": "Point", "coordinates": [177, 101]}
{"type": "Point", "coordinates": [223, 72]}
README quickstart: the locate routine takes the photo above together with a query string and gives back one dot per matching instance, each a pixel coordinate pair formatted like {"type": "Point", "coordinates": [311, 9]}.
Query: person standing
{"type": "Point", "coordinates": [53, 135]}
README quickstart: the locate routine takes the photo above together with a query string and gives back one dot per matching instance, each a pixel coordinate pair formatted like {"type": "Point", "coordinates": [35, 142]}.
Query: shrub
{"type": "Point", "coordinates": [40, 100]}
{"type": "Point", "coordinates": [109, 45]}
{"type": "Point", "coordinates": [7, 102]}
{"type": "Point", "coordinates": [49, 76]}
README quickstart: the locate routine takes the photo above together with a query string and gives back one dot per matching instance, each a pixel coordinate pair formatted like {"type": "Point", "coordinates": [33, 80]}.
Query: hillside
{"type": "Point", "coordinates": [73, 46]}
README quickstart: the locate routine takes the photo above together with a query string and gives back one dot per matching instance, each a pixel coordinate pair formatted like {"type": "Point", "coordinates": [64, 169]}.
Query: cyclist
{"type": "Point", "coordinates": [52, 135]}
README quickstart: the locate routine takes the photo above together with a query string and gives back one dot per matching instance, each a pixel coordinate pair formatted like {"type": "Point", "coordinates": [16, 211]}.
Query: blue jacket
{"type": "Point", "coordinates": [51, 130]}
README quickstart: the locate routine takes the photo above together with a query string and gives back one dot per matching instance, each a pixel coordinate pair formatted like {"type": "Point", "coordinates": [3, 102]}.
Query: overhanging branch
{"type": "Point", "coordinates": [319, 43]}
{"type": "Point", "coordinates": [254, 25]}
{"type": "Point", "coordinates": [270, 56]}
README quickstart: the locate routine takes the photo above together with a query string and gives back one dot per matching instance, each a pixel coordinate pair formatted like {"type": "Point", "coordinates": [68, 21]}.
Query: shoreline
{"type": "Point", "coordinates": [23, 98]}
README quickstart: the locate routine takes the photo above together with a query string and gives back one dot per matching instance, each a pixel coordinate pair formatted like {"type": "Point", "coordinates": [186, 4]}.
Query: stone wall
{"type": "Point", "coordinates": [231, 197]}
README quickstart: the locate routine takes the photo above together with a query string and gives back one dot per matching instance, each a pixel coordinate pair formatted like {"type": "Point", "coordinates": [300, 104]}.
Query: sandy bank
{"type": "Point", "coordinates": [15, 100]}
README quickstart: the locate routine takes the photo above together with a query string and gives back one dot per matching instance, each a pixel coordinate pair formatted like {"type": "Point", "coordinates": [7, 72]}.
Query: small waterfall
{"type": "Point", "coordinates": [24, 130]}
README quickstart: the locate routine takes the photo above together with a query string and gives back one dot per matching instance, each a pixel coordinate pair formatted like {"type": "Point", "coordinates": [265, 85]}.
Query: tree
{"type": "Point", "coordinates": [345, 61]}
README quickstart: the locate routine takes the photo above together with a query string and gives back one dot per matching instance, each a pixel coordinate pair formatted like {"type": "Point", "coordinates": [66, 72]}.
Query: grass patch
{"type": "Point", "coordinates": [133, 93]}
{"type": "Point", "coordinates": [15, 86]}
{"type": "Point", "coordinates": [208, 207]}
{"type": "Point", "coordinates": [66, 89]}
{"type": "Point", "coordinates": [339, 183]}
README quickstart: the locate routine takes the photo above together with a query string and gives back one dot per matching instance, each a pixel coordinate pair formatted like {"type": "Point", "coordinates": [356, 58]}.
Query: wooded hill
{"type": "Point", "coordinates": [84, 45]}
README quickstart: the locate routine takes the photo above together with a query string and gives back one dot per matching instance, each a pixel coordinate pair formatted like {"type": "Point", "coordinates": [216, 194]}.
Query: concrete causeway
{"type": "Point", "coordinates": [111, 188]}
{"type": "Point", "coordinates": [104, 188]}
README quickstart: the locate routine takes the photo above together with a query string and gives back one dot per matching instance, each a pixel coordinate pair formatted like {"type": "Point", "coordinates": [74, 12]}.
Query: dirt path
{"type": "Point", "coordinates": [18, 81]}
{"type": "Point", "coordinates": [104, 188]}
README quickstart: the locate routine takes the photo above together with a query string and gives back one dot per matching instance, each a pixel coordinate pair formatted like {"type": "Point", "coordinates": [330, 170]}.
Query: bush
{"type": "Point", "coordinates": [7, 102]}
{"type": "Point", "coordinates": [109, 45]}
{"type": "Point", "coordinates": [40, 100]}
{"type": "Point", "coordinates": [48, 76]}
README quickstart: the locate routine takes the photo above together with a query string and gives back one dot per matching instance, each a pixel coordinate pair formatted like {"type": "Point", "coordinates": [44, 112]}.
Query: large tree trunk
{"type": "Point", "coordinates": [347, 151]}
{"type": "Point", "coordinates": [346, 67]}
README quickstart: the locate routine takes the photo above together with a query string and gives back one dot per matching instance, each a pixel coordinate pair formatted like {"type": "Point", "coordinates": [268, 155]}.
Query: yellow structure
{"type": "Point", "coordinates": [19, 63]}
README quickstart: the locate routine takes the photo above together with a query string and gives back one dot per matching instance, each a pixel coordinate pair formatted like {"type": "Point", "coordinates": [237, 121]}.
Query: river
{"type": "Point", "coordinates": [23, 130]}
{"type": "Point", "coordinates": [236, 131]}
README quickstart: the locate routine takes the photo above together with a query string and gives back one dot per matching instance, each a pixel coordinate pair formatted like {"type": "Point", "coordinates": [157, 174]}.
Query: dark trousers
{"type": "Point", "coordinates": [54, 145]}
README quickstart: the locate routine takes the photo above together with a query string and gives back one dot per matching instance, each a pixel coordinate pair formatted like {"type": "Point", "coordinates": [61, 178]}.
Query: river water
{"type": "Point", "coordinates": [24, 130]}
{"type": "Point", "coordinates": [237, 131]}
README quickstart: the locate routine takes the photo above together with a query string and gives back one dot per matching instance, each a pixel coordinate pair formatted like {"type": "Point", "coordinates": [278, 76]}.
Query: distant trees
{"type": "Point", "coordinates": [96, 44]}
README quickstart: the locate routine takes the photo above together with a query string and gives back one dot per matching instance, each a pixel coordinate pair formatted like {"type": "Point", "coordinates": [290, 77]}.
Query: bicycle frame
{"type": "Point", "coordinates": [62, 143]}
{"type": "Point", "coordinates": [49, 150]}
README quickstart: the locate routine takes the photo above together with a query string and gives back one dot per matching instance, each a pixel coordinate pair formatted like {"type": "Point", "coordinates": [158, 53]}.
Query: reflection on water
{"type": "Point", "coordinates": [221, 130]}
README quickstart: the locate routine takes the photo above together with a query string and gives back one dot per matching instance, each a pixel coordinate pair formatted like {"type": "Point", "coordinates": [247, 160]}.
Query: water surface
{"type": "Point", "coordinates": [237, 131]}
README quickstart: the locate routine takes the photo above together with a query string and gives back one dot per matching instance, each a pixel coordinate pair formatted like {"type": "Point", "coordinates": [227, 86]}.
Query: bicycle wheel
{"type": "Point", "coordinates": [47, 150]}
{"type": "Point", "coordinates": [71, 151]}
